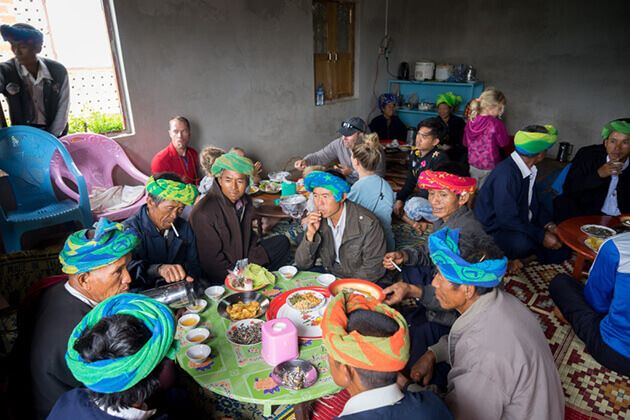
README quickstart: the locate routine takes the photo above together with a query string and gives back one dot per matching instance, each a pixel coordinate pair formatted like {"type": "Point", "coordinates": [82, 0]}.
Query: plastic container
{"type": "Point", "coordinates": [319, 95]}
{"type": "Point", "coordinates": [424, 70]}
{"type": "Point", "coordinates": [279, 341]}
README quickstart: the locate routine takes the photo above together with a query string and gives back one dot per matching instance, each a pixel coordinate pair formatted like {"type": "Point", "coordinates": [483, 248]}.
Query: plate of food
{"type": "Point", "coordinates": [306, 300]}
{"type": "Point", "coordinates": [252, 189]}
{"type": "Point", "coordinates": [593, 243]}
{"type": "Point", "coordinates": [252, 277]}
{"type": "Point", "coordinates": [308, 323]}
{"type": "Point", "coordinates": [245, 333]}
{"type": "Point", "coordinates": [295, 374]}
{"type": "Point", "coordinates": [270, 187]}
{"type": "Point", "coordinates": [362, 287]}
{"type": "Point", "coordinates": [598, 231]}
{"type": "Point", "coordinates": [279, 176]}
{"type": "Point", "coordinates": [243, 305]}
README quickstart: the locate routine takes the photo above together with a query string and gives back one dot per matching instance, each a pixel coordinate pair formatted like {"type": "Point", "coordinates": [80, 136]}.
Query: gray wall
{"type": "Point", "coordinates": [561, 62]}
{"type": "Point", "coordinates": [241, 70]}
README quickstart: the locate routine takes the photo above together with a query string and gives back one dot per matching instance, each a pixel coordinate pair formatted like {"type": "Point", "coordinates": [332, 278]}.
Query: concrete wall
{"type": "Point", "coordinates": [561, 62]}
{"type": "Point", "coordinates": [241, 70]}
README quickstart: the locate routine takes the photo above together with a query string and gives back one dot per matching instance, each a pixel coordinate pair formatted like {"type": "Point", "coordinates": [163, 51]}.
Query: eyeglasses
{"type": "Point", "coordinates": [346, 124]}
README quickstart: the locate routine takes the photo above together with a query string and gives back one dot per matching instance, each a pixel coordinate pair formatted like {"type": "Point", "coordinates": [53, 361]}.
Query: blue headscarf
{"type": "Point", "coordinates": [331, 182]}
{"type": "Point", "coordinates": [386, 98]}
{"type": "Point", "coordinates": [21, 32]}
{"type": "Point", "coordinates": [446, 256]}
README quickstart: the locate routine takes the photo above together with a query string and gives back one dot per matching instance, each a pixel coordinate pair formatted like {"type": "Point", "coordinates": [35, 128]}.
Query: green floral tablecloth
{"type": "Point", "coordinates": [239, 372]}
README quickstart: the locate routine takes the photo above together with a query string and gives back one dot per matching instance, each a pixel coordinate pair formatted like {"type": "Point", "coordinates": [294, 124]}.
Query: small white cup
{"type": "Point", "coordinates": [288, 271]}
{"type": "Point", "coordinates": [326, 279]}
{"type": "Point", "coordinates": [215, 292]}
{"type": "Point", "coordinates": [197, 335]}
{"type": "Point", "coordinates": [198, 353]}
{"type": "Point", "coordinates": [199, 306]}
{"type": "Point", "coordinates": [188, 321]}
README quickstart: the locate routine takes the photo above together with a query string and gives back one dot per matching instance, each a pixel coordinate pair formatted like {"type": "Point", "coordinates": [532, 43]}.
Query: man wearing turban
{"type": "Point", "coordinates": [167, 248]}
{"type": "Point", "coordinates": [222, 222]}
{"type": "Point", "coordinates": [599, 180]}
{"type": "Point", "coordinates": [178, 157]}
{"type": "Point", "coordinates": [387, 125]}
{"type": "Point", "coordinates": [95, 261]}
{"type": "Point", "coordinates": [367, 344]}
{"type": "Point", "coordinates": [36, 89]}
{"type": "Point", "coordinates": [116, 352]}
{"type": "Point", "coordinates": [500, 363]}
{"type": "Point", "coordinates": [508, 205]}
{"type": "Point", "coordinates": [348, 238]}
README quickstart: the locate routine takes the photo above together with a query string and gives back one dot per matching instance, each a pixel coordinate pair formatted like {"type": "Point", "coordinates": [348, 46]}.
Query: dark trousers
{"type": "Point", "coordinates": [568, 295]}
{"type": "Point", "coordinates": [278, 250]}
{"type": "Point", "coordinates": [517, 245]}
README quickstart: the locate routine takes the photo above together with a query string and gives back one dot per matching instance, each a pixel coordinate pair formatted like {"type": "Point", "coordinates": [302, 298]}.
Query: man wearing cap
{"type": "Point", "coordinates": [599, 180]}
{"type": "Point", "coordinates": [508, 205]}
{"type": "Point", "coordinates": [95, 262]}
{"type": "Point", "coordinates": [167, 248]}
{"type": "Point", "coordinates": [178, 157]}
{"type": "Point", "coordinates": [116, 352]}
{"type": "Point", "coordinates": [501, 365]}
{"type": "Point", "coordinates": [340, 150]}
{"type": "Point", "coordinates": [37, 89]}
{"type": "Point", "coordinates": [367, 344]}
{"type": "Point", "coordinates": [222, 222]}
{"type": "Point", "coordinates": [348, 238]}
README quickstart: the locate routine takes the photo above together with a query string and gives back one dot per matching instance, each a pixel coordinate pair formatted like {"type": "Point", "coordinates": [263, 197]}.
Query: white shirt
{"type": "Point", "coordinates": [74, 292]}
{"type": "Point", "coordinates": [373, 399]}
{"type": "Point", "coordinates": [130, 413]}
{"type": "Point", "coordinates": [526, 172]}
{"type": "Point", "coordinates": [338, 231]}
{"type": "Point", "coordinates": [611, 207]}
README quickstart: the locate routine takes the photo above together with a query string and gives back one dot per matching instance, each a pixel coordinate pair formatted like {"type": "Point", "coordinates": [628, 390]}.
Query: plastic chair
{"type": "Point", "coordinates": [25, 155]}
{"type": "Point", "coordinates": [97, 156]}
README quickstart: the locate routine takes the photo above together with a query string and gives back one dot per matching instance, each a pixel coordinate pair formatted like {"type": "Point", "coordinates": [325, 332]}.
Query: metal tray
{"type": "Point", "coordinates": [308, 378]}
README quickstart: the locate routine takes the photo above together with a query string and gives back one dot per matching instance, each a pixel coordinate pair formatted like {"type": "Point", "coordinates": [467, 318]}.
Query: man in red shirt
{"type": "Point", "coordinates": [178, 157]}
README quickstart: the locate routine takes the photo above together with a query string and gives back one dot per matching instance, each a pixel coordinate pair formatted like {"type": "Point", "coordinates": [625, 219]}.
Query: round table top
{"type": "Point", "coordinates": [570, 234]}
{"type": "Point", "coordinates": [240, 373]}
{"type": "Point", "coordinates": [269, 207]}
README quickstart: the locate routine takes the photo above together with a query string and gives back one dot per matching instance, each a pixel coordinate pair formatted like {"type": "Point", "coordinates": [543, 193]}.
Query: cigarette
{"type": "Point", "coordinates": [395, 265]}
{"type": "Point", "coordinates": [175, 230]}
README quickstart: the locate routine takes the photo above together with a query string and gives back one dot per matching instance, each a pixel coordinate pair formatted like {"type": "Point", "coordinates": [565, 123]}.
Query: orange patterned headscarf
{"type": "Point", "coordinates": [381, 354]}
{"type": "Point", "coordinates": [435, 180]}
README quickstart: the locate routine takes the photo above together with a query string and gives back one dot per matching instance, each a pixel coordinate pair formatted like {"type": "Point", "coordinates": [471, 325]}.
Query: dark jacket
{"type": "Point", "coordinates": [223, 239]}
{"type": "Point", "coordinates": [155, 250]}
{"type": "Point", "coordinates": [584, 191]}
{"type": "Point", "coordinates": [423, 405]}
{"type": "Point", "coordinates": [395, 129]}
{"type": "Point", "coordinates": [362, 247]}
{"type": "Point", "coordinates": [417, 165]}
{"type": "Point", "coordinates": [502, 203]}
{"type": "Point", "coordinates": [455, 129]}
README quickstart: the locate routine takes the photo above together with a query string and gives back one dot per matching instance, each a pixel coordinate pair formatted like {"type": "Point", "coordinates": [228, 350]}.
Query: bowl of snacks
{"type": "Point", "coordinates": [198, 306]}
{"type": "Point", "coordinates": [270, 187]}
{"type": "Point", "coordinates": [197, 335]}
{"type": "Point", "coordinates": [188, 321]}
{"type": "Point", "coordinates": [249, 278]}
{"type": "Point", "coordinates": [598, 231]}
{"type": "Point", "coordinates": [295, 374]}
{"type": "Point", "coordinates": [252, 189]}
{"type": "Point", "coordinates": [288, 271]}
{"type": "Point", "coordinates": [279, 176]}
{"type": "Point", "coordinates": [306, 300]}
{"type": "Point", "coordinates": [243, 305]}
{"type": "Point", "coordinates": [198, 353]}
{"type": "Point", "coordinates": [245, 333]}
{"type": "Point", "coordinates": [357, 286]}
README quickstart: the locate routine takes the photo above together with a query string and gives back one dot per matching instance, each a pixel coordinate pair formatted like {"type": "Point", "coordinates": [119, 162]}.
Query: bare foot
{"type": "Point", "coordinates": [558, 314]}
{"type": "Point", "coordinates": [514, 266]}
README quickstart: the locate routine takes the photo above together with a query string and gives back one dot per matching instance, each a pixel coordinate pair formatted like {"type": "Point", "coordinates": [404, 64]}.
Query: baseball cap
{"type": "Point", "coordinates": [352, 125]}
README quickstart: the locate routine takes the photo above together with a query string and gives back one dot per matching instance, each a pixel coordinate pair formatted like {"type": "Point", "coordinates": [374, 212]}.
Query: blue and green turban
{"type": "Point", "coordinates": [116, 375]}
{"type": "Point", "coordinates": [530, 144]}
{"type": "Point", "coordinates": [386, 98]}
{"type": "Point", "coordinates": [448, 98]}
{"type": "Point", "coordinates": [331, 182]}
{"type": "Point", "coordinates": [445, 254]}
{"type": "Point", "coordinates": [233, 162]}
{"type": "Point", "coordinates": [173, 190]}
{"type": "Point", "coordinates": [621, 125]}
{"type": "Point", "coordinates": [111, 241]}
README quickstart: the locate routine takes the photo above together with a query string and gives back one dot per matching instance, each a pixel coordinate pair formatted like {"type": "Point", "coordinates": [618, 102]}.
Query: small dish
{"type": "Point", "coordinates": [243, 297]}
{"type": "Point", "coordinates": [598, 231]}
{"type": "Point", "coordinates": [197, 335]}
{"type": "Point", "coordinates": [362, 287]}
{"type": "Point", "coordinates": [326, 279]}
{"type": "Point", "coordinates": [215, 292]}
{"type": "Point", "coordinates": [257, 202]}
{"type": "Point", "coordinates": [252, 189]}
{"type": "Point", "coordinates": [188, 321]}
{"type": "Point", "coordinates": [247, 332]}
{"type": "Point", "coordinates": [199, 306]}
{"type": "Point", "coordinates": [288, 271]}
{"type": "Point", "coordinates": [270, 187]}
{"type": "Point", "coordinates": [198, 353]}
{"type": "Point", "coordinates": [306, 300]}
{"type": "Point", "coordinates": [295, 374]}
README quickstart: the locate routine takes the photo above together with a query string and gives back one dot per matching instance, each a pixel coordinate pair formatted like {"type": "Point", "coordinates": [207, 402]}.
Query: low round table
{"type": "Point", "coordinates": [570, 234]}
{"type": "Point", "coordinates": [240, 373]}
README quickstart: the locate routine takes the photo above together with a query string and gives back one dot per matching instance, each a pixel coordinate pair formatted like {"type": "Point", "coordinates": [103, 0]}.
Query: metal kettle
{"type": "Point", "coordinates": [565, 149]}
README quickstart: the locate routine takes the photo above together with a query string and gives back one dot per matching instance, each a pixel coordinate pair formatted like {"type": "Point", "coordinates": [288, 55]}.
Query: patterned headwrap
{"type": "Point", "coordinates": [435, 180]}
{"type": "Point", "coordinates": [173, 190]}
{"type": "Point", "coordinates": [448, 98]}
{"type": "Point", "coordinates": [620, 126]}
{"type": "Point", "coordinates": [233, 162]}
{"type": "Point", "coordinates": [116, 375]}
{"type": "Point", "coordinates": [21, 32]}
{"type": "Point", "coordinates": [445, 254]}
{"type": "Point", "coordinates": [530, 144]}
{"type": "Point", "coordinates": [386, 98]}
{"type": "Point", "coordinates": [111, 241]}
{"type": "Point", "coordinates": [331, 182]}
{"type": "Point", "coordinates": [381, 354]}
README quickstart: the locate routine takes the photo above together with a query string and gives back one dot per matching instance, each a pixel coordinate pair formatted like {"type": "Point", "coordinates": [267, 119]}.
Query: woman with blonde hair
{"type": "Point", "coordinates": [206, 159]}
{"type": "Point", "coordinates": [485, 133]}
{"type": "Point", "coordinates": [371, 191]}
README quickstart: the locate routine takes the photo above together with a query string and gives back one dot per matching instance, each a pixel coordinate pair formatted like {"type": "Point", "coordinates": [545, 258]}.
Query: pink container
{"type": "Point", "coordinates": [279, 341]}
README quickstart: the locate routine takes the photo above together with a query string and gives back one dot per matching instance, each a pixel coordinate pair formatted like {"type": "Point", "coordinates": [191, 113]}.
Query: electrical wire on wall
{"type": "Point", "coordinates": [384, 50]}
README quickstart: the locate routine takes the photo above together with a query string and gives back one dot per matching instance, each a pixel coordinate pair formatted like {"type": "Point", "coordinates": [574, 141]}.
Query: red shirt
{"type": "Point", "coordinates": [168, 160]}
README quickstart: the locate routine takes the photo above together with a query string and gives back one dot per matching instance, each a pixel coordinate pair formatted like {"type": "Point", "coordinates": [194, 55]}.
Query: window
{"type": "Point", "coordinates": [333, 45]}
{"type": "Point", "coordinates": [80, 34]}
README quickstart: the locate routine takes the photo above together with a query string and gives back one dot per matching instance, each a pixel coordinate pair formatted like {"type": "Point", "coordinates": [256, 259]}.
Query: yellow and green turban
{"type": "Point", "coordinates": [233, 162]}
{"type": "Point", "coordinates": [116, 375]}
{"type": "Point", "coordinates": [621, 125]}
{"type": "Point", "coordinates": [530, 144]}
{"type": "Point", "coordinates": [111, 241]}
{"type": "Point", "coordinates": [448, 98]}
{"type": "Point", "coordinates": [172, 190]}
{"type": "Point", "coordinates": [381, 354]}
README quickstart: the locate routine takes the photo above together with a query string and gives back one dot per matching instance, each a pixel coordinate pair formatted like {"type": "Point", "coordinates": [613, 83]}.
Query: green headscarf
{"type": "Point", "coordinates": [233, 162]}
{"type": "Point", "coordinates": [448, 98]}
{"type": "Point", "coordinates": [530, 144]}
{"type": "Point", "coordinates": [619, 125]}
{"type": "Point", "coordinates": [172, 190]}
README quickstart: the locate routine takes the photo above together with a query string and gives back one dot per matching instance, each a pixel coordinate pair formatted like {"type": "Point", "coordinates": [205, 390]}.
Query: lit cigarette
{"type": "Point", "coordinates": [395, 265]}
{"type": "Point", "coordinates": [175, 230]}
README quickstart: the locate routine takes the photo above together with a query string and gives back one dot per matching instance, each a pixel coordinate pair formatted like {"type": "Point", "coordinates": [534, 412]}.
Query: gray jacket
{"type": "Point", "coordinates": [335, 150]}
{"type": "Point", "coordinates": [362, 247]}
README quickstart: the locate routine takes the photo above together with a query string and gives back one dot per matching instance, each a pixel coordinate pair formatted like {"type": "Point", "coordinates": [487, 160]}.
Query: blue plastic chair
{"type": "Point", "coordinates": [25, 155]}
